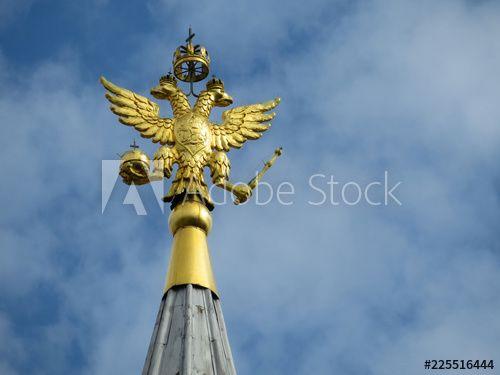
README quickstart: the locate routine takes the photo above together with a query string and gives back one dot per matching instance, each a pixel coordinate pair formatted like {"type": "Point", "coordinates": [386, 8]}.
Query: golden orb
{"type": "Point", "coordinates": [134, 167]}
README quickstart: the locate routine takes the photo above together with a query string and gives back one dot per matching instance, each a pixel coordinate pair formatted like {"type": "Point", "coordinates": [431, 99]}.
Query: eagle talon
{"type": "Point", "coordinates": [241, 193]}
{"type": "Point", "coordinates": [156, 176]}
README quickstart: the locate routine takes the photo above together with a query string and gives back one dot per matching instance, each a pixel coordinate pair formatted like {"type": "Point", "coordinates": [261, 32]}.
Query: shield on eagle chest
{"type": "Point", "coordinates": [192, 134]}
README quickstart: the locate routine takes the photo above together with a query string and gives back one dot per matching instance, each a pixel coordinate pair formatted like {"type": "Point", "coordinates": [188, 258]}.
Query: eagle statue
{"type": "Point", "coordinates": [190, 139]}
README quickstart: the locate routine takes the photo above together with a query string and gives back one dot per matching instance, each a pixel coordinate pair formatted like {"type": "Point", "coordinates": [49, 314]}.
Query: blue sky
{"type": "Point", "coordinates": [406, 87]}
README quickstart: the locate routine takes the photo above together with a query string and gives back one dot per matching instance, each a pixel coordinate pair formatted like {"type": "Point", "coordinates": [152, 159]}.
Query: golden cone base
{"type": "Point", "coordinates": [190, 262]}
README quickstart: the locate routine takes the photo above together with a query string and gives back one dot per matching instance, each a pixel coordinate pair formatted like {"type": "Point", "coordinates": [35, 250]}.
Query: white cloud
{"type": "Point", "coordinates": [407, 87]}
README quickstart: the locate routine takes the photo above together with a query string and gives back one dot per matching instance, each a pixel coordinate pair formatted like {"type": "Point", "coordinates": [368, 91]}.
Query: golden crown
{"type": "Point", "coordinates": [169, 78]}
{"type": "Point", "coordinates": [215, 83]}
{"type": "Point", "coordinates": [191, 63]}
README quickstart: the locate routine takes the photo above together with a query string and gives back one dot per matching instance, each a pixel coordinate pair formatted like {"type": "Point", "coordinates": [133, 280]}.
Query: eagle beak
{"type": "Point", "coordinates": [161, 92]}
{"type": "Point", "coordinates": [224, 100]}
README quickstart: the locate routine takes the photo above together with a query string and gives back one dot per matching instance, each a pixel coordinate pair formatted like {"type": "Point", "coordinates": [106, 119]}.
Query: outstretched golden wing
{"type": "Point", "coordinates": [242, 123]}
{"type": "Point", "coordinates": [140, 112]}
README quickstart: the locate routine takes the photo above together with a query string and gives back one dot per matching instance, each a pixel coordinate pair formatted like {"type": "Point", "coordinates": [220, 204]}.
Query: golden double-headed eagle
{"type": "Point", "coordinates": [190, 139]}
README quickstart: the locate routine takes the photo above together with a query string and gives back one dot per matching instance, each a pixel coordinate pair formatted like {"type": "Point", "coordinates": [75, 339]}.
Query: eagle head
{"type": "Point", "coordinates": [166, 88]}
{"type": "Point", "coordinates": [220, 97]}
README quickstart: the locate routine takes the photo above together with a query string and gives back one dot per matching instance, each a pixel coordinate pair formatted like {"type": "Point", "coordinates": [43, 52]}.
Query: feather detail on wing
{"type": "Point", "coordinates": [144, 115]}
{"type": "Point", "coordinates": [220, 167]}
{"type": "Point", "coordinates": [242, 123]}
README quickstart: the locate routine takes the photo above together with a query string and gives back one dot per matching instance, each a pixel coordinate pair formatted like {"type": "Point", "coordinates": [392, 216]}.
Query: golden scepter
{"type": "Point", "coordinates": [255, 181]}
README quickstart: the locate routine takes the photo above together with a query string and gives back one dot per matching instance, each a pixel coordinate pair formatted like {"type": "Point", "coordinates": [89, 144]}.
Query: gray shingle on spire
{"type": "Point", "coordinates": [189, 336]}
